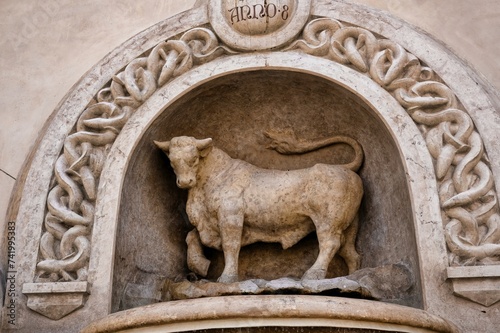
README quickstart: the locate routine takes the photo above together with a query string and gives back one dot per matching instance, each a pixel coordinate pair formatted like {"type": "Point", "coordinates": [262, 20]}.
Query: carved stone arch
{"type": "Point", "coordinates": [428, 223]}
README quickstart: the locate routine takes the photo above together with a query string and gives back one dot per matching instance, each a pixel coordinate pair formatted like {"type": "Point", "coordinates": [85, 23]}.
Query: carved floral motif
{"type": "Point", "coordinates": [466, 188]}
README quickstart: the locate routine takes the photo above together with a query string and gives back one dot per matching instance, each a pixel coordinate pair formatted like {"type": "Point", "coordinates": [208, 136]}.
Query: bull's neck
{"type": "Point", "coordinates": [214, 164]}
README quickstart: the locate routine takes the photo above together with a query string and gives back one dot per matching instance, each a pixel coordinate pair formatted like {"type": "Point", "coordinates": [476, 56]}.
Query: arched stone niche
{"type": "Point", "coordinates": [146, 209]}
{"type": "Point", "coordinates": [235, 110]}
{"type": "Point", "coordinates": [77, 303]}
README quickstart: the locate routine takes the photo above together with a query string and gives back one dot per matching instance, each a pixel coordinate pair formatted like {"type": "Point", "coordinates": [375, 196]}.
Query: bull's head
{"type": "Point", "coordinates": [184, 153]}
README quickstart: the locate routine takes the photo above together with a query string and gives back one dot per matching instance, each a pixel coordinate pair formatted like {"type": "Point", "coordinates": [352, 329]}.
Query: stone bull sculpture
{"type": "Point", "coordinates": [233, 203]}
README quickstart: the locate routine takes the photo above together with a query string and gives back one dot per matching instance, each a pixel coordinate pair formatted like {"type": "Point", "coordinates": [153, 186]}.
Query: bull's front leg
{"type": "Point", "coordinates": [230, 218]}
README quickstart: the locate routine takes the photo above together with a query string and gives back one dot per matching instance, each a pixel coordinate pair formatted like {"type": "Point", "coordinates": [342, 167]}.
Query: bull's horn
{"type": "Point", "coordinates": [165, 145]}
{"type": "Point", "coordinates": [202, 144]}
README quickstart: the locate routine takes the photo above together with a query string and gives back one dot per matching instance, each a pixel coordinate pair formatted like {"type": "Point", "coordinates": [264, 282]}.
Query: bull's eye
{"type": "Point", "coordinates": [192, 162]}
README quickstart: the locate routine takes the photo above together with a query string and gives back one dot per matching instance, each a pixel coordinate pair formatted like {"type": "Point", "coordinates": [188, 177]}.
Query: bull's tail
{"type": "Point", "coordinates": [285, 142]}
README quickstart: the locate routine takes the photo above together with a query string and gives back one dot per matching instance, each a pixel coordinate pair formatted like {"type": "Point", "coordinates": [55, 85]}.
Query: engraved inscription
{"type": "Point", "coordinates": [243, 13]}
{"type": "Point", "coordinates": [256, 17]}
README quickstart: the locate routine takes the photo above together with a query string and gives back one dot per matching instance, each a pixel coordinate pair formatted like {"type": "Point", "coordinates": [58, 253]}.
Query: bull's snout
{"type": "Point", "coordinates": [185, 183]}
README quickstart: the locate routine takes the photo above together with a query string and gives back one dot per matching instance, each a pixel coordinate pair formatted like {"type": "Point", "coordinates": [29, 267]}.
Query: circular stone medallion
{"type": "Point", "coordinates": [254, 25]}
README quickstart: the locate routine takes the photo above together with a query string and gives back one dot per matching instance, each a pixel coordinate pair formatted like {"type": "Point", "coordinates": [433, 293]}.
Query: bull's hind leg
{"type": "Point", "coordinates": [348, 249]}
{"type": "Point", "coordinates": [196, 260]}
{"type": "Point", "coordinates": [329, 241]}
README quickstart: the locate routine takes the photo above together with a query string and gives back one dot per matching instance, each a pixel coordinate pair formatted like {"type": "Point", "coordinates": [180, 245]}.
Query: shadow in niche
{"type": "Point", "coordinates": [270, 261]}
{"type": "Point", "coordinates": [235, 110]}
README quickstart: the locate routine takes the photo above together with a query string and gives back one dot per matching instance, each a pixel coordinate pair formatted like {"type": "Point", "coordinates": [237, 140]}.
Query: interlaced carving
{"type": "Point", "coordinates": [466, 189]}
{"type": "Point", "coordinates": [65, 245]}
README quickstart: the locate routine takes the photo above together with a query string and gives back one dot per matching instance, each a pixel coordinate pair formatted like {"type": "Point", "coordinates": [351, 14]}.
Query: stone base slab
{"type": "Point", "coordinates": [271, 311]}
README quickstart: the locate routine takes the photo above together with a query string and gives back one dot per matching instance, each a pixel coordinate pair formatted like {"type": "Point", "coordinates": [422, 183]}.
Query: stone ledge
{"type": "Point", "coordinates": [55, 287]}
{"type": "Point", "coordinates": [479, 284]}
{"type": "Point", "coordinates": [473, 271]}
{"type": "Point", "coordinates": [271, 310]}
{"type": "Point", "coordinates": [56, 300]}
{"type": "Point", "coordinates": [384, 283]}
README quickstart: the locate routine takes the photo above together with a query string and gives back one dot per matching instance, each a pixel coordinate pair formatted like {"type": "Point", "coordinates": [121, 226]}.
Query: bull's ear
{"type": "Point", "coordinates": [204, 146]}
{"type": "Point", "coordinates": [163, 145]}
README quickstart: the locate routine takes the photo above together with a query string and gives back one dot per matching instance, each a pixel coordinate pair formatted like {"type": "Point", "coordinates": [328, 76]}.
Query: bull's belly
{"type": "Point", "coordinates": [287, 233]}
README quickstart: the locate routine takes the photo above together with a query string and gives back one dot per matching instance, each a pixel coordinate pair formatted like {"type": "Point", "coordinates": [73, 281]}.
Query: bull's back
{"type": "Point", "coordinates": [288, 197]}
{"type": "Point", "coordinates": [297, 188]}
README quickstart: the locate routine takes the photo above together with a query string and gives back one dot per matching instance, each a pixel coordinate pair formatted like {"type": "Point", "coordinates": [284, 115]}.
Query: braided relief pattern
{"type": "Point", "coordinates": [466, 188]}
{"type": "Point", "coordinates": [467, 194]}
{"type": "Point", "coordinates": [65, 244]}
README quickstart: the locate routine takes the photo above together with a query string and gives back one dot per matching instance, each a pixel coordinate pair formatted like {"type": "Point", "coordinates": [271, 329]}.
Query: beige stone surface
{"type": "Point", "coordinates": [470, 28]}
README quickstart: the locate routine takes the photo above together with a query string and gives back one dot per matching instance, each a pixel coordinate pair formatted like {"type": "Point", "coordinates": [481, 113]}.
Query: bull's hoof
{"type": "Point", "coordinates": [314, 274]}
{"type": "Point", "coordinates": [227, 278]}
{"type": "Point", "coordinates": [198, 265]}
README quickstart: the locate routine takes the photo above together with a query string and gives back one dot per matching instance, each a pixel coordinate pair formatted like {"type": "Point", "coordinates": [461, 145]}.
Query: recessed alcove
{"type": "Point", "coordinates": [235, 110]}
